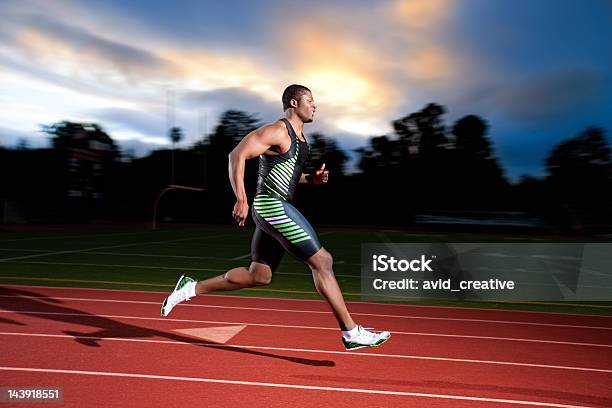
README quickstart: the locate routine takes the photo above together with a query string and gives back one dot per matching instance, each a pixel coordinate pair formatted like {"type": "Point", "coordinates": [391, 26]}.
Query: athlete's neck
{"type": "Point", "coordinates": [295, 121]}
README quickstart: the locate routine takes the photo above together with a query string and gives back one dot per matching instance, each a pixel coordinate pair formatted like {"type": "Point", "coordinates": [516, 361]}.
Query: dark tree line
{"type": "Point", "coordinates": [423, 165]}
{"type": "Point", "coordinates": [432, 166]}
{"type": "Point", "coordinates": [576, 195]}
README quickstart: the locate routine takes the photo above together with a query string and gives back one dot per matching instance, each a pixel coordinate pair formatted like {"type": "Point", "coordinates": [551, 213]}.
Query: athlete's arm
{"type": "Point", "coordinates": [253, 144]}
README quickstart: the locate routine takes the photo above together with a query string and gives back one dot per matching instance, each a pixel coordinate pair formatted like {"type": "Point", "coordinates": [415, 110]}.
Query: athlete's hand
{"type": "Point", "coordinates": [320, 176]}
{"type": "Point", "coordinates": [241, 211]}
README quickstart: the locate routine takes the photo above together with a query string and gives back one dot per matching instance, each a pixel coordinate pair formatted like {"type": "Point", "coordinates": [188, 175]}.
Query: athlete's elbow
{"type": "Point", "coordinates": [234, 156]}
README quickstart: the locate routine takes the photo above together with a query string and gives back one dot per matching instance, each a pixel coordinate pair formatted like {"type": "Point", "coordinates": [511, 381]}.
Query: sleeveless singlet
{"type": "Point", "coordinates": [279, 174]}
{"type": "Point", "coordinates": [280, 226]}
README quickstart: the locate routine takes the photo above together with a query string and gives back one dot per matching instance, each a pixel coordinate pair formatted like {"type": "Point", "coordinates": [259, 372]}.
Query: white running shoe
{"type": "Point", "coordinates": [184, 290]}
{"type": "Point", "coordinates": [364, 338]}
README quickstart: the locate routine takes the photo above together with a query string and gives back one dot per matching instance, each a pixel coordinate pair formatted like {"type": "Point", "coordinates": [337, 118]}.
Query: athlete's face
{"type": "Point", "coordinates": [306, 107]}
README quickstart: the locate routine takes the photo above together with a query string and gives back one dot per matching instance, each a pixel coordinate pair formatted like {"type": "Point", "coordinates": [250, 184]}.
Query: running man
{"type": "Point", "coordinates": [280, 227]}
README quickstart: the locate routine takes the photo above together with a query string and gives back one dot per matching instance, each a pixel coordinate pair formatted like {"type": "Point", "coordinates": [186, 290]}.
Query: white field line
{"type": "Point", "coordinates": [116, 266]}
{"type": "Point", "coordinates": [108, 247]}
{"type": "Point", "coordinates": [151, 267]}
{"type": "Point", "coordinates": [240, 257]}
{"type": "Point", "coordinates": [75, 236]}
{"type": "Point", "coordinates": [289, 260]}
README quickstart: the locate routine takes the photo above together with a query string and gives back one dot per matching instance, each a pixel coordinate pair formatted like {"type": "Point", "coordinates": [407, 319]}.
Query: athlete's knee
{"type": "Point", "coordinates": [322, 263]}
{"type": "Point", "coordinates": [327, 260]}
{"type": "Point", "coordinates": [262, 278]}
{"type": "Point", "coordinates": [260, 274]}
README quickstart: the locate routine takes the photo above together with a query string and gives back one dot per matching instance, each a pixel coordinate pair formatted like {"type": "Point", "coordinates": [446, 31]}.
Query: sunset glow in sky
{"type": "Point", "coordinates": [538, 72]}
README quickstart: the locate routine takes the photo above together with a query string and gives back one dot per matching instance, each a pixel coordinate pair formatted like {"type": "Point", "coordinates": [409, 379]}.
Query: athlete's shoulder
{"type": "Point", "coordinates": [272, 131]}
{"type": "Point", "coordinates": [277, 126]}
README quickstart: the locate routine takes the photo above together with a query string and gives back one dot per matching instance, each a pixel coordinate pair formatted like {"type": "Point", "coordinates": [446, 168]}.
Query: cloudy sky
{"type": "Point", "coordinates": [537, 71]}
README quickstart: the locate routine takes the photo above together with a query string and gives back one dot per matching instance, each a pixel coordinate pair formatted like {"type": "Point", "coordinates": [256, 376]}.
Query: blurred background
{"type": "Point", "coordinates": [431, 115]}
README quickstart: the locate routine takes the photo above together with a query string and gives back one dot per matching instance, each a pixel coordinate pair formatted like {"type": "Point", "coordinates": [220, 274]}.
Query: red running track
{"type": "Point", "coordinates": [111, 348]}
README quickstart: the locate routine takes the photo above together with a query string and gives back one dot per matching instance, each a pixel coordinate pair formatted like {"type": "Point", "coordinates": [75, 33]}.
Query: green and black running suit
{"type": "Point", "coordinates": [280, 226]}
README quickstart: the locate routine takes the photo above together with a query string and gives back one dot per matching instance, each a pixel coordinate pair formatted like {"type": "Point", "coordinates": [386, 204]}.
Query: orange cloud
{"type": "Point", "coordinates": [207, 70]}
{"type": "Point", "coordinates": [431, 64]}
{"type": "Point", "coordinates": [424, 56]}
{"type": "Point", "coordinates": [36, 43]}
{"type": "Point", "coordinates": [422, 13]}
{"type": "Point", "coordinates": [361, 64]}
{"type": "Point", "coordinates": [346, 76]}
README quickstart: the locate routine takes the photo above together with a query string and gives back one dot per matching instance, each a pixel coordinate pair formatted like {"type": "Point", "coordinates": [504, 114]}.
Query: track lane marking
{"type": "Point", "coordinates": [299, 350]}
{"type": "Point", "coordinates": [165, 319]}
{"type": "Point", "coordinates": [318, 312]}
{"type": "Point", "coordinates": [291, 386]}
{"type": "Point", "coordinates": [241, 297]}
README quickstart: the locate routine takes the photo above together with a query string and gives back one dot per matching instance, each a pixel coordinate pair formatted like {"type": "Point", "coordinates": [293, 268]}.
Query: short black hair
{"type": "Point", "coordinates": [293, 92]}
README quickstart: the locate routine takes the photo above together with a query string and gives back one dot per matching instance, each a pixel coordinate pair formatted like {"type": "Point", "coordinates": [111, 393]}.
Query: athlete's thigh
{"type": "Point", "coordinates": [266, 250]}
{"type": "Point", "coordinates": [287, 225]}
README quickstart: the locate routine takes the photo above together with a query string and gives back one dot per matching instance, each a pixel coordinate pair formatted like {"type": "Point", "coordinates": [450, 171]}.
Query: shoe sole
{"type": "Point", "coordinates": [162, 307]}
{"type": "Point", "coordinates": [166, 299]}
{"type": "Point", "coordinates": [367, 346]}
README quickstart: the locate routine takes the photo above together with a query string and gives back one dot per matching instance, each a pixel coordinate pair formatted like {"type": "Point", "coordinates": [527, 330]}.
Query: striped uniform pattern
{"type": "Point", "coordinates": [280, 226]}
{"type": "Point", "coordinates": [281, 173]}
{"type": "Point", "coordinates": [272, 210]}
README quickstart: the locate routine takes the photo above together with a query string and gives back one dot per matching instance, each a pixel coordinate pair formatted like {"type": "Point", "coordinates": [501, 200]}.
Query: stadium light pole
{"type": "Point", "coordinates": [170, 125]}
{"type": "Point", "coordinates": [170, 122]}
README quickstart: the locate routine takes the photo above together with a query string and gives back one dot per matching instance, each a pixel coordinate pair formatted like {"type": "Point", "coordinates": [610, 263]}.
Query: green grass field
{"type": "Point", "coordinates": [152, 259]}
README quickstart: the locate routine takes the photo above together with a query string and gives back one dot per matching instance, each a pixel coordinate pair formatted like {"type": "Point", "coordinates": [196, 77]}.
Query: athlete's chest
{"type": "Point", "coordinates": [289, 148]}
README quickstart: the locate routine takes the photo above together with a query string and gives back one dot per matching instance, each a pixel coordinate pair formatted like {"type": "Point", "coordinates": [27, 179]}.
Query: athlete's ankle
{"type": "Point", "coordinates": [198, 289]}
{"type": "Point", "coordinates": [350, 332]}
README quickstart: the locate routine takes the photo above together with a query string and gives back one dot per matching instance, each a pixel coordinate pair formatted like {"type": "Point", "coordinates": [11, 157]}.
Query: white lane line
{"type": "Point", "coordinates": [318, 312]}
{"type": "Point", "coordinates": [28, 278]}
{"type": "Point", "coordinates": [166, 319]}
{"type": "Point", "coordinates": [152, 267]}
{"type": "Point", "coordinates": [24, 250]}
{"type": "Point", "coordinates": [124, 254]}
{"type": "Point", "coordinates": [143, 255]}
{"type": "Point", "coordinates": [288, 260]}
{"type": "Point", "coordinates": [179, 256]}
{"type": "Point", "coordinates": [132, 254]}
{"type": "Point", "coordinates": [317, 351]}
{"type": "Point", "coordinates": [109, 247]}
{"type": "Point", "coordinates": [75, 236]}
{"type": "Point", "coordinates": [284, 300]}
{"type": "Point", "coordinates": [241, 257]}
{"type": "Point", "coordinates": [116, 266]}
{"type": "Point", "coordinates": [291, 386]}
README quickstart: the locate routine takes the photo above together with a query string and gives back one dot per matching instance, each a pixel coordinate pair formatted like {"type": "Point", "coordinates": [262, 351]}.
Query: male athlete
{"type": "Point", "coordinates": [280, 227]}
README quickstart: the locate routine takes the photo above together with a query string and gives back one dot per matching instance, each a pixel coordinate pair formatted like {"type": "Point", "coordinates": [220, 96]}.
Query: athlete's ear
{"type": "Point", "coordinates": [293, 103]}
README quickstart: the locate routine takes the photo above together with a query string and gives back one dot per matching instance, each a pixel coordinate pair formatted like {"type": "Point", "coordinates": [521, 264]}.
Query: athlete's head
{"type": "Point", "coordinates": [299, 98]}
